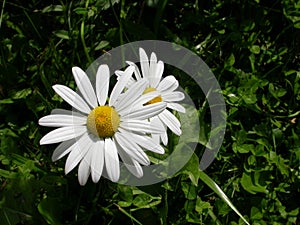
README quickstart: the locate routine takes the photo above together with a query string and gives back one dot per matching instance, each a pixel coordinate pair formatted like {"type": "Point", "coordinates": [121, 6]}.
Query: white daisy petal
{"type": "Point", "coordinates": [141, 126]}
{"type": "Point", "coordinates": [81, 147]}
{"type": "Point", "coordinates": [120, 85]}
{"type": "Point", "coordinates": [164, 138]}
{"type": "Point", "coordinates": [171, 121]}
{"type": "Point", "coordinates": [84, 168]}
{"type": "Point", "coordinates": [127, 143]}
{"type": "Point", "coordinates": [158, 74]}
{"type": "Point", "coordinates": [156, 138]}
{"type": "Point", "coordinates": [63, 134]}
{"type": "Point", "coordinates": [148, 143]}
{"type": "Point", "coordinates": [136, 70]}
{"type": "Point", "coordinates": [102, 83]}
{"type": "Point", "coordinates": [152, 68]}
{"type": "Point", "coordinates": [72, 98]}
{"type": "Point", "coordinates": [111, 160]}
{"type": "Point", "coordinates": [63, 149]}
{"type": "Point", "coordinates": [62, 120]}
{"type": "Point", "coordinates": [173, 96]}
{"type": "Point", "coordinates": [161, 136]}
{"type": "Point", "coordinates": [143, 99]}
{"type": "Point", "coordinates": [147, 97]}
{"type": "Point", "coordinates": [66, 112]}
{"type": "Point", "coordinates": [146, 112]}
{"type": "Point", "coordinates": [144, 63]}
{"type": "Point", "coordinates": [132, 165]}
{"type": "Point", "coordinates": [133, 93]}
{"type": "Point", "coordinates": [168, 84]}
{"type": "Point", "coordinates": [97, 160]}
{"type": "Point", "coordinates": [85, 87]}
{"type": "Point", "coordinates": [176, 107]}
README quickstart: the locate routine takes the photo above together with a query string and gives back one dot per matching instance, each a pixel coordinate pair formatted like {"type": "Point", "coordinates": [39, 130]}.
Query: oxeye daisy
{"type": "Point", "coordinates": [102, 129]}
{"type": "Point", "coordinates": [152, 70]}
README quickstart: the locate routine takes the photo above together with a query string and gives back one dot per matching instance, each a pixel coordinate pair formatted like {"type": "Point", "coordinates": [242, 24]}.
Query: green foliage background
{"type": "Point", "coordinates": [253, 48]}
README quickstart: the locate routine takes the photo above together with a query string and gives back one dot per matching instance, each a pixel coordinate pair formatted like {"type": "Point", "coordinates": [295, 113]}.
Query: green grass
{"type": "Point", "coordinates": [251, 46]}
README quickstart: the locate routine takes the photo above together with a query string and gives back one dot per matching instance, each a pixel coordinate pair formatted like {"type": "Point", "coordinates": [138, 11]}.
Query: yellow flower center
{"type": "Point", "coordinates": [154, 100]}
{"type": "Point", "coordinates": [103, 121]}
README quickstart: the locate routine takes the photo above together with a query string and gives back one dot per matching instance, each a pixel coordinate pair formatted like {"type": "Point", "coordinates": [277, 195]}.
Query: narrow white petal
{"type": "Point", "coordinates": [147, 97]}
{"type": "Point", "coordinates": [127, 143]}
{"type": "Point", "coordinates": [168, 84]}
{"type": "Point", "coordinates": [63, 149]}
{"type": "Point", "coordinates": [112, 162]}
{"type": "Point", "coordinates": [132, 165]}
{"type": "Point", "coordinates": [148, 143]}
{"type": "Point", "coordinates": [173, 96]}
{"type": "Point", "coordinates": [171, 121]}
{"type": "Point", "coordinates": [120, 85]}
{"type": "Point", "coordinates": [144, 63]}
{"type": "Point", "coordinates": [152, 68]}
{"type": "Point", "coordinates": [131, 95]}
{"type": "Point", "coordinates": [156, 138]}
{"type": "Point", "coordinates": [102, 83]}
{"type": "Point", "coordinates": [84, 168]}
{"type": "Point", "coordinates": [146, 112]}
{"type": "Point", "coordinates": [67, 112]}
{"type": "Point", "coordinates": [62, 120]}
{"type": "Point", "coordinates": [143, 99]}
{"type": "Point", "coordinates": [141, 126]}
{"type": "Point", "coordinates": [85, 87]}
{"type": "Point", "coordinates": [63, 134]}
{"type": "Point", "coordinates": [136, 70]}
{"type": "Point", "coordinates": [72, 98]}
{"type": "Point", "coordinates": [158, 74]}
{"type": "Point", "coordinates": [81, 147]}
{"type": "Point", "coordinates": [176, 107]}
{"type": "Point", "coordinates": [164, 138]}
{"type": "Point", "coordinates": [97, 160]}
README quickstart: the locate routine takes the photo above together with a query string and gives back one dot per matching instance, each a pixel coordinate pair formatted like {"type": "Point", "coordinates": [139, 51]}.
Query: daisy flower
{"type": "Point", "coordinates": [152, 71]}
{"type": "Point", "coordinates": [101, 130]}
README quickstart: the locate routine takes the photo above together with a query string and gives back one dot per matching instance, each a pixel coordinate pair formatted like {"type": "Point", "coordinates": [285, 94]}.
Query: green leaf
{"type": "Point", "coordinates": [255, 214]}
{"type": "Point", "coordinates": [201, 205]}
{"type": "Point", "coordinates": [22, 94]}
{"type": "Point", "coordinates": [101, 45]}
{"type": "Point", "coordinates": [192, 169]}
{"type": "Point", "coordinates": [230, 61]}
{"type": "Point", "coordinates": [50, 209]}
{"type": "Point", "coordinates": [52, 8]}
{"type": "Point", "coordinates": [255, 49]}
{"type": "Point", "coordinates": [250, 183]}
{"type": "Point", "coordinates": [63, 34]}
{"type": "Point", "coordinates": [244, 148]}
{"type": "Point", "coordinates": [189, 190]}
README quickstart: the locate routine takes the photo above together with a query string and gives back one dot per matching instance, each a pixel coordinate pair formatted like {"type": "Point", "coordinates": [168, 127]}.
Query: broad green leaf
{"type": "Point", "coordinates": [250, 184]}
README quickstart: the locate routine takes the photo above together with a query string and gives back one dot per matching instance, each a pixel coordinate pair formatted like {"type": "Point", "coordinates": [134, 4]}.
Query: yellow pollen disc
{"type": "Point", "coordinates": [103, 121]}
{"type": "Point", "coordinates": [154, 100]}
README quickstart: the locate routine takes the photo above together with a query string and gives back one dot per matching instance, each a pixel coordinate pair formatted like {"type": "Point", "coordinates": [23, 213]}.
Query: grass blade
{"type": "Point", "coordinates": [209, 182]}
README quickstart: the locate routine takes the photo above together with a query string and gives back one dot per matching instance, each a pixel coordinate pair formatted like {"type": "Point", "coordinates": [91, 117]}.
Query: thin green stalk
{"type": "Point", "coordinates": [32, 24]}
{"type": "Point", "coordinates": [2, 12]}
{"type": "Point", "coordinates": [209, 182]}
{"type": "Point", "coordinates": [82, 35]}
{"type": "Point", "coordinates": [160, 9]}
{"type": "Point", "coordinates": [122, 16]}
{"type": "Point", "coordinates": [127, 214]}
